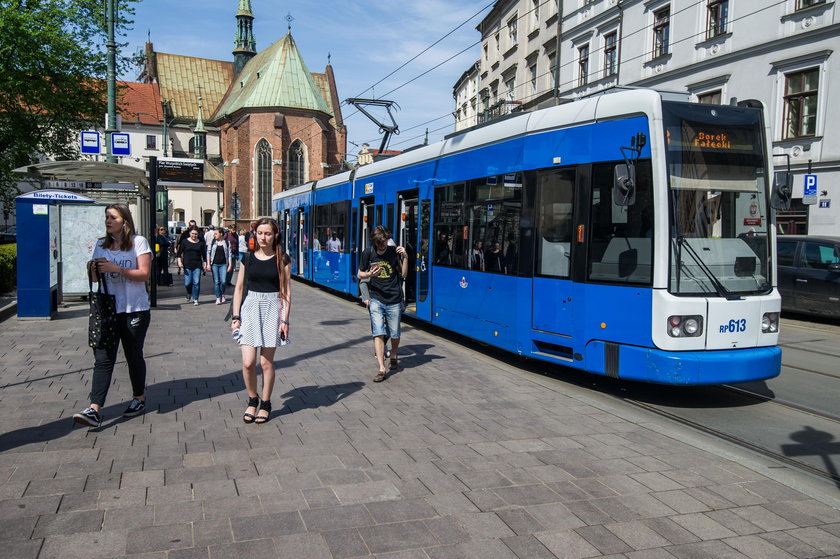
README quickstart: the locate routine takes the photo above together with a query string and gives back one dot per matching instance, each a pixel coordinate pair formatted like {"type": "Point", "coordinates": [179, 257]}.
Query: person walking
{"type": "Point", "coordinates": [219, 261]}
{"type": "Point", "coordinates": [191, 256]}
{"type": "Point", "coordinates": [243, 248]}
{"type": "Point", "coordinates": [233, 242]}
{"type": "Point", "coordinates": [123, 260]}
{"type": "Point", "coordinates": [384, 265]}
{"type": "Point", "coordinates": [185, 234]}
{"type": "Point", "coordinates": [260, 324]}
{"type": "Point", "coordinates": [162, 244]}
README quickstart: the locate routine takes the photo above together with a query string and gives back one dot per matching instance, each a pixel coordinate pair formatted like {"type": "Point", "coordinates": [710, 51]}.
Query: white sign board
{"type": "Point", "coordinates": [90, 142]}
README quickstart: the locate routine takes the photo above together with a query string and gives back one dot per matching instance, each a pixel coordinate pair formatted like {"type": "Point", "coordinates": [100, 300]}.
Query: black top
{"type": "Point", "coordinates": [219, 257]}
{"type": "Point", "coordinates": [192, 254]}
{"type": "Point", "coordinates": [164, 243]}
{"type": "Point", "coordinates": [384, 287]}
{"type": "Point", "coordinates": [262, 275]}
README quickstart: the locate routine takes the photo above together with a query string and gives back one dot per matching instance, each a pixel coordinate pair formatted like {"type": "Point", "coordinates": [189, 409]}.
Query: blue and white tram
{"type": "Point", "coordinates": [626, 235]}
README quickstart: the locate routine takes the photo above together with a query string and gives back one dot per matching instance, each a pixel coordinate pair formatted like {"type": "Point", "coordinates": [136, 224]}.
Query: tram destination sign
{"type": "Point", "coordinates": [705, 137]}
{"type": "Point", "coordinates": [180, 172]}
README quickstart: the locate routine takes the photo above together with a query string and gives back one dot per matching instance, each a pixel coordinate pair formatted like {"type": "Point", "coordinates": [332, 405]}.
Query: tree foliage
{"type": "Point", "coordinates": [52, 82]}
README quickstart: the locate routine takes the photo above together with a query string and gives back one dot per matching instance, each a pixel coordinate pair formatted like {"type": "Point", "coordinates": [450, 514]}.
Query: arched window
{"type": "Point", "coordinates": [263, 178]}
{"type": "Point", "coordinates": [297, 164]}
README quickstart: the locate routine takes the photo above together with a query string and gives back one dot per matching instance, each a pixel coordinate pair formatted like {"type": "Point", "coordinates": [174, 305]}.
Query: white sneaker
{"type": "Point", "coordinates": [195, 302]}
{"type": "Point", "coordinates": [218, 301]}
{"type": "Point", "coordinates": [223, 299]}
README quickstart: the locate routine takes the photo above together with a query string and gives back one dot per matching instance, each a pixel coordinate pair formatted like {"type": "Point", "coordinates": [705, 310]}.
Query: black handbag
{"type": "Point", "coordinates": [102, 322]}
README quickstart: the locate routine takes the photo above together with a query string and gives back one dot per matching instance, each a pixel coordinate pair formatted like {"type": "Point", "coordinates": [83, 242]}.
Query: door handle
{"type": "Point", "coordinates": [801, 280]}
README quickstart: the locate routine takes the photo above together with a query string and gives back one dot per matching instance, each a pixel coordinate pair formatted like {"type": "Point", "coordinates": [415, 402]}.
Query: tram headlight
{"type": "Point", "coordinates": [770, 323]}
{"type": "Point", "coordinates": [689, 326]}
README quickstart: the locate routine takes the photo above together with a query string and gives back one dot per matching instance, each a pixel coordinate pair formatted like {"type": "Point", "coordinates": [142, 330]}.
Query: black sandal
{"type": "Point", "coordinates": [265, 405]}
{"type": "Point", "coordinates": [252, 403]}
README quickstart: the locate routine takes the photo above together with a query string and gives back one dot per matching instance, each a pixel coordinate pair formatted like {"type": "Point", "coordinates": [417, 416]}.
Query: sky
{"type": "Point", "coordinates": [366, 41]}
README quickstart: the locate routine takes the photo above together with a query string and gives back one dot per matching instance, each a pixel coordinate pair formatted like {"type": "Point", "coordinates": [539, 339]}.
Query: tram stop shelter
{"type": "Point", "coordinates": [57, 229]}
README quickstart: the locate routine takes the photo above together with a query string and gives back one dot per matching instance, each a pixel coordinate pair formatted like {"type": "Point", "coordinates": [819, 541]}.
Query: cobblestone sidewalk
{"type": "Point", "coordinates": [455, 455]}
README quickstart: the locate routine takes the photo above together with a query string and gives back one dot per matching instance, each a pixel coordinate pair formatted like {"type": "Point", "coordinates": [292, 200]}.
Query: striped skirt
{"type": "Point", "coordinates": [260, 325]}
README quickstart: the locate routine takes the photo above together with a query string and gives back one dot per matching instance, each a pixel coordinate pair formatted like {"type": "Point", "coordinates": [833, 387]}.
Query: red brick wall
{"type": "Point", "coordinates": [240, 143]}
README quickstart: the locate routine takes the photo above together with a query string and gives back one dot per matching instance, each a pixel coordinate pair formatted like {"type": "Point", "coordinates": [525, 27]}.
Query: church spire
{"type": "Point", "coordinates": [245, 46]}
{"type": "Point", "coordinates": [199, 135]}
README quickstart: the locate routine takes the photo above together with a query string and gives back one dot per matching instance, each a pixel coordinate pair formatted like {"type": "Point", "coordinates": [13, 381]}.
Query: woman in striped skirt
{"type": "Point", "coordinates": [261, 322]}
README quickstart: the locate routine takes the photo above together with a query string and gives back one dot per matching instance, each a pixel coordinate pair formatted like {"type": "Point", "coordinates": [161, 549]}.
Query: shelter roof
{"type": "Point", "coordinates": [276, 77]}
{"type": "Point", "coordinates": [86, 171]}
{"type": "Point", "coordinates": [183, 78]}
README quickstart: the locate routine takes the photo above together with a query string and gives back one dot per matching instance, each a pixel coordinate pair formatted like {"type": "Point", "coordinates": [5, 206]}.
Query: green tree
{"type": "Point", "coordinates": [52, 77]}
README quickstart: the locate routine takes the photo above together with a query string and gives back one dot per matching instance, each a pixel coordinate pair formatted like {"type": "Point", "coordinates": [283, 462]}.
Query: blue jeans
{"type": "Point", "coordinates": [219, 279]}
{"type": "Point", "coordinates": [385, 319]}
{"type": "Point", "coordinates": [192, 277]}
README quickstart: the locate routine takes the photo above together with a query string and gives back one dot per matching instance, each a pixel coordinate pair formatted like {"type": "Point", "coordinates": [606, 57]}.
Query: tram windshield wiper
{"type": "Point", "coordinates": [720, 289]}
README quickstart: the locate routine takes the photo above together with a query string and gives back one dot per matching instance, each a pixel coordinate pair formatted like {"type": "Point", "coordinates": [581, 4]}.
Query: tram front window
{"type": "Point", "coordinates": [718, 204]}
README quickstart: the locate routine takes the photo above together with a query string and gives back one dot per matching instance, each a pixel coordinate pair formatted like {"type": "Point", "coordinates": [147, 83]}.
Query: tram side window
{"type": "Point", "coordinates": [330, 227]}
{"type": "Point", "coordinates": [621, 237]}
{"type": "Point", "coordinates": [477, 224]}
{"type": "Point", "coordinates": [555, 188]}
{"type": "Point", "coordinates": [449, 226]}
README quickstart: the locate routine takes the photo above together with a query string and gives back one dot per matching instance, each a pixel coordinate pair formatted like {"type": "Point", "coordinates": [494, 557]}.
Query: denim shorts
{"type": "Point", "coordinates": [385, 319]}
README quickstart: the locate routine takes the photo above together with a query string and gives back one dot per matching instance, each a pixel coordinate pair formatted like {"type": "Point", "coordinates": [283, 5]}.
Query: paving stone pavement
{"type": "Point", "coordinates": [455, 455]}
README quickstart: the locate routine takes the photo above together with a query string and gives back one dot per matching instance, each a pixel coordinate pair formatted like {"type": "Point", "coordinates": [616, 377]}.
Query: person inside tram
{"type": "Point", "coordinates": [443, 252]}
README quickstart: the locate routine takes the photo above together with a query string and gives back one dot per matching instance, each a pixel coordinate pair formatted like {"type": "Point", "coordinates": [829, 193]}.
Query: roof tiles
{"type": "Point", "coordinates": [183, 78]}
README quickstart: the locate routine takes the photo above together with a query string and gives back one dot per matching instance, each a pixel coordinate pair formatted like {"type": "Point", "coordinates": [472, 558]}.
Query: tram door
{"type": "Point", "coordinates": [407, 237]}
{"type": "Point", "coordinates": [302, 242]}
{"type": "Point", "coordinates": [285, 231]}
{"type": "Point", "coordinates": [364, 227]}
{"type": "Point", "coordinates": [553, 305]}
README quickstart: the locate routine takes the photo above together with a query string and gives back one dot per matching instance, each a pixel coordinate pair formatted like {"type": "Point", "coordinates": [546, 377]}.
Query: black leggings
{"type": "Point", "coordinates": [132, 328]}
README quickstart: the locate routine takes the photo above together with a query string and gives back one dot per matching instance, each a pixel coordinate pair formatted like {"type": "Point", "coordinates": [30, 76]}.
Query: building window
{"type": "Point", "coordinates": [263, 178]}
{"type": "Point", "coordinates": [583, 65]}
{"type": "Point", "coordinates": [801, 103]}
{"type": "Point", "coordinates": [533, 71]}
{"type": "Point", "coordinates": [510, 85]}
{"type": "Point", "coordinates": [535, 14]}
{"type": "Point", "coordinates": [486, 53]}
{"type": "Point", "coordinates": [610, 54]}
{"type": "Point", "coordinates": [496, 38]}
{"type": "Point", "coordinates": [511, 26]}
{"type": "Point", "coordinates": [296, 164]}
{"type": "Point", "coordinates": [151, 142]}
{"type": "Point", "coordinates": [718, 18]}
{"type": "Point", "coordinates": [661, 31]}
{"type": "Point", "coordinates": [710, 98]}
{"type": "Point", "coordinates": [802, 4]}
{"type": "Point", "coordinates": [552, 57]}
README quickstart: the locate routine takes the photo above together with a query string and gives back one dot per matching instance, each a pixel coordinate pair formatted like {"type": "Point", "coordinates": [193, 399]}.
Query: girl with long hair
{"type": "Point", "coordinates": [260, 324]}
{"type": "Point", "coordinates": [123, 260]}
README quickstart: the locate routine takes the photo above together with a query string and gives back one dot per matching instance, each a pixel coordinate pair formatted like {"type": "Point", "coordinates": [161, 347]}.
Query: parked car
{"type": "Point", "coordinates": [809, 274]}
{"type": "Point", "coordinates": [8, 236]}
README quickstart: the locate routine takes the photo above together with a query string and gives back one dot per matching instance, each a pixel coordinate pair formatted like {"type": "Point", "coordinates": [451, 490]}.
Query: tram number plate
{"type": "Point", "coordinates": [734, 326]}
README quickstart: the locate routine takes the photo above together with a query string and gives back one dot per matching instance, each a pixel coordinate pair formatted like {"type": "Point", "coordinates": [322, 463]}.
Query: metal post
{"type": "Point", "coordinates": [111, 45]}
{"type": "Point", "coordinates": [153, 227]}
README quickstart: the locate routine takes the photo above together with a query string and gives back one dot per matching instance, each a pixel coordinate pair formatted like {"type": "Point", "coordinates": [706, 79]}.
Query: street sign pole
{"type": "Point", "coordinates": [111, 45]}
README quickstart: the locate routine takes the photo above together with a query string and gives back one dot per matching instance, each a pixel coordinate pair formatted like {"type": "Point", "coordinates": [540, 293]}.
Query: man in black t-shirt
{"type": "Point", "coordinates": [384, 265]}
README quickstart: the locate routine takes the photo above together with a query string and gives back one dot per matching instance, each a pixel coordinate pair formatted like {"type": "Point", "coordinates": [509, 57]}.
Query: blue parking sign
{"type": "Point", "coordinates": [810, 190]}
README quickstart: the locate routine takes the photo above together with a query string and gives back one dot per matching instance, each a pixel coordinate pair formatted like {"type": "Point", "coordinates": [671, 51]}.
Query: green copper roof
{"type": "Point", "coordinates": [276, 77]}
{"type": "Point", "coordinates": [244, 8]}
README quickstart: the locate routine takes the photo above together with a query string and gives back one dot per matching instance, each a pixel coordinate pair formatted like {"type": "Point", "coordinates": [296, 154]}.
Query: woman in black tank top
{"type": "Point", "coordinates": [262, 300]}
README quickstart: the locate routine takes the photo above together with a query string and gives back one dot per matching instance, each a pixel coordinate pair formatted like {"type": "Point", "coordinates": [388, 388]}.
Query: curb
{"type": "Point", "coordinates": [8, 310]}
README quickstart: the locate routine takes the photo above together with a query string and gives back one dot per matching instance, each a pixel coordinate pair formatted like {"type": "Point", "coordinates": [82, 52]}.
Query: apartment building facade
{"type": "Point", "coordinates": [536, 53]}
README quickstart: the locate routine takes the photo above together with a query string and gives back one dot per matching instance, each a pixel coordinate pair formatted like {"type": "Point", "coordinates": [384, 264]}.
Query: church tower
{"type": "Point", "coordinates": [245, 46]}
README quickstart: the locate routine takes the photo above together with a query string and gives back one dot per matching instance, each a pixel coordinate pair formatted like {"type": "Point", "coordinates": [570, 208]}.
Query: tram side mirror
{"type": "Point", "coordinates": [782, 190]}
{"type": "Point", "coordinates": [624, 186]}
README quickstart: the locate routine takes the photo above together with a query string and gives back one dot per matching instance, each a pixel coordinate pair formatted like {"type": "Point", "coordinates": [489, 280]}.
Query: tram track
{"type": "Point", "coordinates": [738, 441]}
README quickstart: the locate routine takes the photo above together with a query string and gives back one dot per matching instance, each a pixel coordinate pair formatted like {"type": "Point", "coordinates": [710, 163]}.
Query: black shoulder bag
{"type": "Point", "coordinates": [102, 322]}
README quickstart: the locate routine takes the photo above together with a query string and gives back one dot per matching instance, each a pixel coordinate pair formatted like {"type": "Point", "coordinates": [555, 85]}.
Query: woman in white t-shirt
{"type": "Point", "coordinates": [125, 261]}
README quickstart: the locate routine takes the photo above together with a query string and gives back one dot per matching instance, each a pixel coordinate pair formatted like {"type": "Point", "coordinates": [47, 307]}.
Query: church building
{"type": "Point", "coordinates": [264, 119]}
